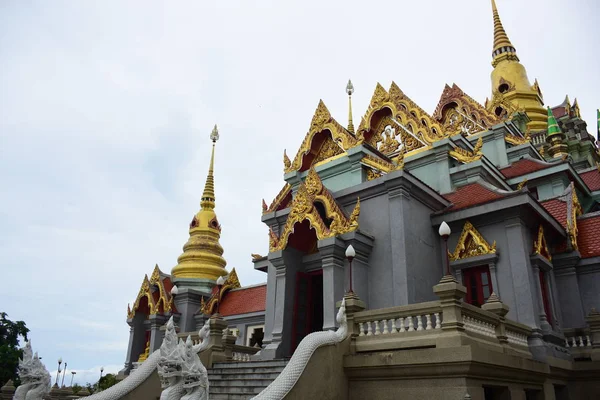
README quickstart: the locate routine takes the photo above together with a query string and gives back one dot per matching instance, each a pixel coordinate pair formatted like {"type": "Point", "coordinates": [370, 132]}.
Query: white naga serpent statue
{"type": "Point", "coordinates": [282, 385]}
{"type": "Point", "coordinates": [35, 379]}
{"type": "Point", "coordinates": [182, 375]}
{"type": "Point", "coordinates": [179, 368]}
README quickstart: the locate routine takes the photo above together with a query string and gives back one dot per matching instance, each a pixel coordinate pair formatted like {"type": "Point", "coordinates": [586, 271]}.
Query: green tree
{"type": "Point", "coordinates": [107, 381]}
{"type": "Point", "coordinates": [91, 388]}
{"type": "Point", "coordinates": [76, 388]}
{"type": "Point", "coordinates": [10, 353]}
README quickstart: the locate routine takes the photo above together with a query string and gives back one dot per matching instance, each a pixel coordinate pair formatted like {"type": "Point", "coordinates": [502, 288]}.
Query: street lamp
{"type": "Point", "coordinates": [64, 372]}
{"type": "Point", "coordinates": [72, 376]}
{"type": "Point", "coordinates": [220, 283]}
{"type": "Point", "coordinates": [101, 371]}
{"type": "Point", "coordinates": [58, 372]}
{"type": "Point", "coordinates": [445, 232]}
{"type": "Point", "coordinates": [350, 254]}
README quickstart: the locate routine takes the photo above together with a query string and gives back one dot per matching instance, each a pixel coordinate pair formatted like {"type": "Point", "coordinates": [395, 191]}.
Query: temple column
{"type": "Point", "coordinates": [546, 328]}
{"type": "Point", "coordinates": [567, 287]}
{"type": "Point", "coordinates": [128, 361]}
{"type": "Point", "coordinates": [187, 302]}
{"type": "Point", "coordinates": [286, 264]}
{"type": "Point", "coordinates": [156, 334]}
{"type": "Point", "coordinates": [332, 252]}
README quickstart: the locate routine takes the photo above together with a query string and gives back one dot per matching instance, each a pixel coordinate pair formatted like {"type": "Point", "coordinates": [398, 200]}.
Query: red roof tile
{"type": "Point", "coordinates": [471, 195]}
{"type": "Point", "coordinates": [588, 237]}
{"type": "Point", "coordinates": [244, 301]}
{"type": "Point", "coordinates": [558, 209]}
{"type": "Point", "coordinates": [591, 179]}
{"type": "Point", "coordinates": [523, 167]}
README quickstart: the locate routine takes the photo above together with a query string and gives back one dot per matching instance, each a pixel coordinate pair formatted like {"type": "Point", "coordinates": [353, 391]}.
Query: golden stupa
{"type": "Point", "coordinates": [511, 90]}
{"type": "Point", "coordinates": [202, 254]}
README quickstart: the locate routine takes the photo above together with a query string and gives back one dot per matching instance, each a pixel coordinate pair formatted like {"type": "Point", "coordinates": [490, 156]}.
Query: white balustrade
{"type": "Point", "coordinates": [411, 323]}
{"type": "Point", "coordinates": [240, 357]}
{"type": "Point", "coordinates": [479, 326]}
{"type": "Point", "coordinates": [516, 338]}
{"type": "Point", "coordinates": [578, 341]}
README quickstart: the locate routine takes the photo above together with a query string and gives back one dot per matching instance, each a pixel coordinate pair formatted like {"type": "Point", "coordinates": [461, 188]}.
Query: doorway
{"type": "Point", "coordinates": [308, 305]}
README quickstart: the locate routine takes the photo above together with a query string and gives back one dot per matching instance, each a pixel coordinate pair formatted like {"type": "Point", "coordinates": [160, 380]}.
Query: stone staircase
{"type": "Point", "coordinates": [242, 380]}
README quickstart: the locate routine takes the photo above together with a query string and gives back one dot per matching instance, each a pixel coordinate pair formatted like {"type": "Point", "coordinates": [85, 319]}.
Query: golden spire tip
{"type": "Point", "coordinates": [349, 91]}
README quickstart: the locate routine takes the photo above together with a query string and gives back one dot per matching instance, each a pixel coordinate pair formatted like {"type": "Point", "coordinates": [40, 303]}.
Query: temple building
{"type": "Point", "coordinates": [516, 181]}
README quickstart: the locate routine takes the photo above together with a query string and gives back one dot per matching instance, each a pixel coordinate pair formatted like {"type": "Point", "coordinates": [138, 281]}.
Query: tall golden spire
{"type": "Point", "coordinates": [502, 44]}
{"type": "Point", "coordinates": [350, 90]}
{"type": "Point", "coordinates": [202, 254]}
{"type": "Point", "coordinates": [511, 90]}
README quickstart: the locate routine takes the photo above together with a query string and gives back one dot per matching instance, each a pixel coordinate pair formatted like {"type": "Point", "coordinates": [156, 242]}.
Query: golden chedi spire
{"type": "Point", "coordinates": [202, 254]}
{"type": "Point", "coordinates": [511, 90]}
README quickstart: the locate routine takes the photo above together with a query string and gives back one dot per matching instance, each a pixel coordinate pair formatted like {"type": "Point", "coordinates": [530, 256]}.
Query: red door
{"type": "Point", "coordinates": [478, 283]}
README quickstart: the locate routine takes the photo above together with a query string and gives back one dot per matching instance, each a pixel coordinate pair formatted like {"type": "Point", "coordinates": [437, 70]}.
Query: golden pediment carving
{"type": "Point", "coordinates": [540, 246]}
{"type": "Point", "coordinates": [232, 282]}
{"type": "Point", "coordinates": [467, 156]}
{"type": "Point", "coordinates": [303, 208]}
{"type": "Point", "coordinates": [471, 244]}
{"type": "Point", "coordinates": [415, 127]}
{"type": "Point", "coordinates": [321, 121]}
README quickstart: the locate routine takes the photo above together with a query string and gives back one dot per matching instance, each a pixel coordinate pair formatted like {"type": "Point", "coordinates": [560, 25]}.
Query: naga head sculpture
{"type": "Point", "coordinates": [192, 369]}
{"type": "Point", "coordinates": [171, 358]}
{"type": "Point", "coordinates": [32, 371]}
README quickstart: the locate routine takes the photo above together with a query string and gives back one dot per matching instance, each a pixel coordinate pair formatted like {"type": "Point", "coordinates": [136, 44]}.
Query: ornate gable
{"type": "Point", "coordinates": [459, 113]}
{"type": "Point", "coordinates": [281, 201]}
{"type": "Point", "coordinates": [471, 244]}
{"type": "Point", "coordinates": [303, 208]}
{"type": "Point", "coordinates": [232, 282]}
{"type": "Point", "coordinates": [393, 122]}
{"type": "Point", "coordinates": [325, 138]}
{"type": "Point", "coordinates": [159, 301]}
{"type": "Point", "coordinates": [540, 246]}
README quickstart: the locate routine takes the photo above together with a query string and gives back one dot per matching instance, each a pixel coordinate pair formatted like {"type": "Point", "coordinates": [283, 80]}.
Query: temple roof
{"type": "Point", "coordinates": [473, 194]}
{"type": "Point", "coordinates": [591, 179]}
{"type": "Point", "coordinates": [558, 209]}
{"type": "Point", "coordinates": [524, 166]}
{"type": "Point", "coordinates": [589, 235]}
{"type": "Point", "coordinates": [244, 300]}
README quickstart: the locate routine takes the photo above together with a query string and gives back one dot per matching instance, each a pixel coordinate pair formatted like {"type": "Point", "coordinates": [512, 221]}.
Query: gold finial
{"type": "Point", "coordinates": [350, 90]}
{"type": "Point", "coordinates": [208, 197]}
{"type": "Point", "coordinates": [502, 43]}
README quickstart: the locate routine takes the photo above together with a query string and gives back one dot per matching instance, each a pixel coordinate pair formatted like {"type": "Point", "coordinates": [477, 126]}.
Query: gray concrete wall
{"type": "Point", "coordinates": [588, 277]}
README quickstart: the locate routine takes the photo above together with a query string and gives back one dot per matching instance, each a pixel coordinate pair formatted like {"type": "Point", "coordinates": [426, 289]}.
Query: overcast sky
{"type": "Point", "coordinates": [106, 109]}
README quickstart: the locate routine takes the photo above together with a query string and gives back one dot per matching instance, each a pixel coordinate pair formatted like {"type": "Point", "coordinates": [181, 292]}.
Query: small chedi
{"type": "Point", "coordinates": [35, 379]}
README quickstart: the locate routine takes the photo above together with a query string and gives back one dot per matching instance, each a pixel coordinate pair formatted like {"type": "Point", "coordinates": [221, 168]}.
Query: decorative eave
{"type": "Point", "coordinates": [143, 292]}
{"type": "Point", "coordinates": [164, 298]}
{"type": "Point", "coordinates": [281, 200]}
{"type": "Point", "coordinates": [232, 282]}
{"type": "Point", "coordinates": [303, 208]}
{"type": "Point", "coordinates": [321, 121]}
{"type": "Point", "coordinates": [470, 244]}
{"type": "Point", "coordinates": [540, 246]}
{"type": "Point", "coordinates": [460, 119]}
{"type": "Point", "coordinates": [382, 166]}
{"type": "Point", "coordinates": [408, 116]}
{"type": "Point", "coordinates": [466, 156]}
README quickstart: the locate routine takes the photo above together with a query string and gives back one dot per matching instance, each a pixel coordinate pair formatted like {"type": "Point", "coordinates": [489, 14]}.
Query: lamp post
{"type": "Point", "coordinates": [62, 384]}
{"type": "Point", "coordinates": [58, 371]}
{"type": "Point", "coordinates": [445, 232]}
{"type": "Point", "coordinates": [101, 371]}
{"type": "Point", "coordinates": [350, 254]}
{"type": "Point", "coordinates": [220, 283]}
{"type": "Point", "coordinates": [72, 376]}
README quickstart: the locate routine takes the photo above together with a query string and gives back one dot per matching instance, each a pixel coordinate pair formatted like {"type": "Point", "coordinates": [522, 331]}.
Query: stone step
{"type": "Point", "coordinates": [258, 370]}
{"type": "Point", "coordinates": [240, 382]}
{"type": "Point", "coordinates": [225, 396]}
{"type": "Point", "coordinates": [251, 364]}
{"type": "Point", "coordinates": [244, 375]}
{"type": "Point", "coordinates": [236, 389]}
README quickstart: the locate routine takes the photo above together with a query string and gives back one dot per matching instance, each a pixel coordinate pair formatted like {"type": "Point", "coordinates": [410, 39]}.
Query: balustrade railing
{"type": "Point", "coordinates": [402, 319]}
{"type": "Point", "coordinates": [578, 342]}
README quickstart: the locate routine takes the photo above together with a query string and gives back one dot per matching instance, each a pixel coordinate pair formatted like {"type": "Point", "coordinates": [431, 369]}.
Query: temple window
{"type": "Point", "coordinates": [503, 88]}
{"type": "Point", "coordinates": [478, 282]}
{"type": "Point", "coordinates": [254, 335]}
